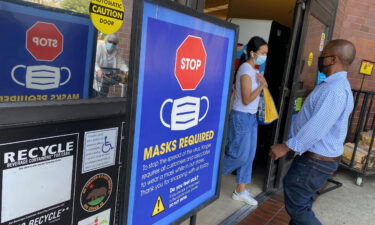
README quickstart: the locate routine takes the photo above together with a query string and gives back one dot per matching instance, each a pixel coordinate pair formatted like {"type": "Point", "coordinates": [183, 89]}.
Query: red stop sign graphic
{"type": "Point", "coordinates": [44, 41]}
{"type": "Point", "coordinates": [190, 62]}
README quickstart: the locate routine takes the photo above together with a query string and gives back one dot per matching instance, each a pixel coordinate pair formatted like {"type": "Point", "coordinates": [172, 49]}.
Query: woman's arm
{"type": "Point", "coordinates": [121, 63]}
{"type": "Point", "coordinates": [99, 55]}
{"type": "Point", "coordinates": [246, 94]}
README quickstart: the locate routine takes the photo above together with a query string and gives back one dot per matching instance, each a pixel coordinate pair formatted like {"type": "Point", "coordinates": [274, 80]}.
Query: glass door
{"type": "Point", "coordinates": [315, 30]}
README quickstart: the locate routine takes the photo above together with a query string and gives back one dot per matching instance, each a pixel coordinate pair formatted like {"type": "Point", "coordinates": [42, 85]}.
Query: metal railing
{"type": "Point", "coordinates": [359, 154]}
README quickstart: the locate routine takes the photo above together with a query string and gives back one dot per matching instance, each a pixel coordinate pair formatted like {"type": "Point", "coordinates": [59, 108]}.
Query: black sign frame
{"type": "Point", "coordinates": [132, 92]}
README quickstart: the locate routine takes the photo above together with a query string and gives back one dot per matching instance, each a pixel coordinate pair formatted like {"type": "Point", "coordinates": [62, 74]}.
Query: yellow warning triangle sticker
{"type": "Point", "coordinates": [159, 206]}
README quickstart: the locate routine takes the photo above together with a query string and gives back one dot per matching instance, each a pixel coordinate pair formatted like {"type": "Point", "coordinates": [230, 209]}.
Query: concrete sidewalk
{"type": "Point", "coordinates": [349, 204]}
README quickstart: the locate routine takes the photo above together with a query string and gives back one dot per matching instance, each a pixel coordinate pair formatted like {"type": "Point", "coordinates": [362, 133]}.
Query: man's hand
{"type": "Point", "coordinates": [278, 151]}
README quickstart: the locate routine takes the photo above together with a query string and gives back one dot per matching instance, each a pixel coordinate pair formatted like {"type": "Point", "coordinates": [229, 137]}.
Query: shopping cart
{"type": "Point", "coordinates": [111, 77]}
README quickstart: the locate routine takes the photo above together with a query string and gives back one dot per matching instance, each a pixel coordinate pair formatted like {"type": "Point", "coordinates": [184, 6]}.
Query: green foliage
{"type": "Point", "coordinates": [80, 6]}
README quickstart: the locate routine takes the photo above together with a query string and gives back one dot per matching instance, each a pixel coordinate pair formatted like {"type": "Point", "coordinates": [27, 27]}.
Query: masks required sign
{"type": "Point", "coordinates": [45, 55]}
{"type": "Point", "coordinates": [184, 77]}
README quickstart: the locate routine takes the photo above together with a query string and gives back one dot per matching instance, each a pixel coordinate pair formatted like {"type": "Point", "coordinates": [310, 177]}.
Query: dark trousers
{"type": "Point", "coordinates": [304, 178]}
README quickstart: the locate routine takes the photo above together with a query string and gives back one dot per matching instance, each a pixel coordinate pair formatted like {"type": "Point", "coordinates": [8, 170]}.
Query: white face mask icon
{"type": "Point", "coordinates": [41, 77]}
{"type": "Point", "coordinates": [185, 112]}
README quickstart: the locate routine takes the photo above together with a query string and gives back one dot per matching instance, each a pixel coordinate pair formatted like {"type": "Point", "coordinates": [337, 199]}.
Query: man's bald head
{"type": "Point", "coordinates": [343, 49]}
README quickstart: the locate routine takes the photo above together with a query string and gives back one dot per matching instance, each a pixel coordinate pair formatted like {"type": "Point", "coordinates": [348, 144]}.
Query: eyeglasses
{"type": "Point", "coordinates": [112, 42]}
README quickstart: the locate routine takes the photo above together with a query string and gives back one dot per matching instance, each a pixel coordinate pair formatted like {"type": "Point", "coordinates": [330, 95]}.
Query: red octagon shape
{"type": "Point", "coordinates": [44, 41]}
{"type": "Point", "coordinates": [190, 63]}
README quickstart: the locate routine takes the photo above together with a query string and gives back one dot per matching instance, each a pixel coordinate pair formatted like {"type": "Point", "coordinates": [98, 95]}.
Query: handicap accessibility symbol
{"type": "Point", "coordinates": [107, 146]}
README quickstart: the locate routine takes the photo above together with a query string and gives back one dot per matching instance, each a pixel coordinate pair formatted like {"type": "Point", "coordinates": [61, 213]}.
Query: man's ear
{"type": "Point", "coordinates": [334, 59]}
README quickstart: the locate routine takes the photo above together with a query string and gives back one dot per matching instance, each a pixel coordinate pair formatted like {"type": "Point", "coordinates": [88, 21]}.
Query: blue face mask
{"type": "Point", "coordinates": [260, 60]}
{"type": "Point", "coordinates": [110, 46]}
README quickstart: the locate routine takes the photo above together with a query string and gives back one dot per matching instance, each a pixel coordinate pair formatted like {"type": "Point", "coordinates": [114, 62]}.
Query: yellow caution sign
{"type": "Point", "coordinates": [366, 68]}
{"type": "Point", "coordinates": [310, 60]}
{"type": "Point", "coordinates": [159, 206]}
{"type": "Point", "coordinates": [107, 15]}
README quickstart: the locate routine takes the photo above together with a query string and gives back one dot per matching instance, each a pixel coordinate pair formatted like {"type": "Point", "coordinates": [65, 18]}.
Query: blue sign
{"type": "Point", "coordinates": [179, 122]}
{"type": "Point", "coordinates": [45, 55]}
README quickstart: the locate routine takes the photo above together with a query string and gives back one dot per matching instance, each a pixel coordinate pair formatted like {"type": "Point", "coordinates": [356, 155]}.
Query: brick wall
{"type": "Point", "coordinates": [125, 32]}
{"type": "Point", "coordinates": [340, 16]}
{"type": "Point", "coordinates": [356, 22]}
{"type": "Point", "coordinates": [124, 46]}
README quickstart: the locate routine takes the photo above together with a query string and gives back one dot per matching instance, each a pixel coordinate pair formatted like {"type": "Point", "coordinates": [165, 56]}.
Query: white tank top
{"type": "Point", "coordinates": [245, 70]}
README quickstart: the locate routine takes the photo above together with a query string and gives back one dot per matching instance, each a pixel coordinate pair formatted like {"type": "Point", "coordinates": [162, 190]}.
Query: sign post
{"type": "Point", "coordinates": [183, 83]}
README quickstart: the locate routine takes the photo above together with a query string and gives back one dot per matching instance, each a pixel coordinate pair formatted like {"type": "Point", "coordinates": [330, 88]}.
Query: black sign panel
{"type": "Point", "coordinates": [37, 178]}
{"type": "Point", "coordinates": [61, 174]}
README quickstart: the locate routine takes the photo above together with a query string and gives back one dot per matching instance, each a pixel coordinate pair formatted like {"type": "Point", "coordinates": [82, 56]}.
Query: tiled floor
{"type": "Point", "coordinates": [271, 212]}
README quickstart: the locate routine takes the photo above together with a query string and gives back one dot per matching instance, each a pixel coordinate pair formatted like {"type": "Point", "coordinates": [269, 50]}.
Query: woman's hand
{"type": "Point", "coordinates": [262, 80]}
{"type": "Point", "coordinates": [100, 74]}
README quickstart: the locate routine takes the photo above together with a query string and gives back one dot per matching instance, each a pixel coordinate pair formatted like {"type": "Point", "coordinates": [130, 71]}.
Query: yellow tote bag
{"type": "Point", "coordinates": [267, 112]}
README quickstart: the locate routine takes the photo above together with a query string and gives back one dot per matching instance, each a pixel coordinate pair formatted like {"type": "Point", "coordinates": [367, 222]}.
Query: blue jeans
{"type": "Point", "coordinates": [304, 178]}
{"type": "Point", "coordinates": [241, 146]}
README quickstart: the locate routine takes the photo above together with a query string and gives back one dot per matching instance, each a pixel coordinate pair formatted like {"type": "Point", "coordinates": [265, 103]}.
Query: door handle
{"type": "Point", "coordinates": [302, 66]}
{"type": "Point", "coordinates": [284, 91]}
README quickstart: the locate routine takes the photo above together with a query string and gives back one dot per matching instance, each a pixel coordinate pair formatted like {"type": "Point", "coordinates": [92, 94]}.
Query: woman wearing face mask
{"type": "Point", "coordinates": [243, 126]}
{"type": "Point", "coordinates": [107, 56]}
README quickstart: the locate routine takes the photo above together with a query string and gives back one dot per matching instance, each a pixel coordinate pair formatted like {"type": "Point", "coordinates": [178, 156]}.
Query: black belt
{"type": "Point", "coordinates": [322, 158]}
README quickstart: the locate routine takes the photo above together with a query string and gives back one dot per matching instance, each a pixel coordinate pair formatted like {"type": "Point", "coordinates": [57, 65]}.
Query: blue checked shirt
{"type": "Point", "coordinates": [321, 125]}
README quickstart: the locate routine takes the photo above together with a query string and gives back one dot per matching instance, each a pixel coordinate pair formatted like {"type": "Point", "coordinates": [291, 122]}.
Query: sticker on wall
{"type": "Point", "coordinates": [298, 104]}
{"type": "Point", "coordinates": [102, 218]}
{"type": "Point", "coordinates": [366, 67]}
{"type": "Point", "coordinates": [322, 39]}
{"type": "Point", "coordinates": [96, 192]}
{"type": "Point", "coordinates": [320, 78]}
{"type": "Point", "coordinates": [311, 57]}
{"type": "Point", "coordinates": [107, 15]}
{"type": "Point", "coordinates": [99, 149]}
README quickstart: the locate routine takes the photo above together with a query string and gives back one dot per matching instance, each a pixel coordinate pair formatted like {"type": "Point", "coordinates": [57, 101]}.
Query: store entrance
{"type": "Point", "coordinates": [274, 26]}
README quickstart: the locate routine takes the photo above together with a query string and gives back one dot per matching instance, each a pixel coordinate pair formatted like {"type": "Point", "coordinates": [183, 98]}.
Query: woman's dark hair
{"type": "Point", "coordinates": [254, 44]}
